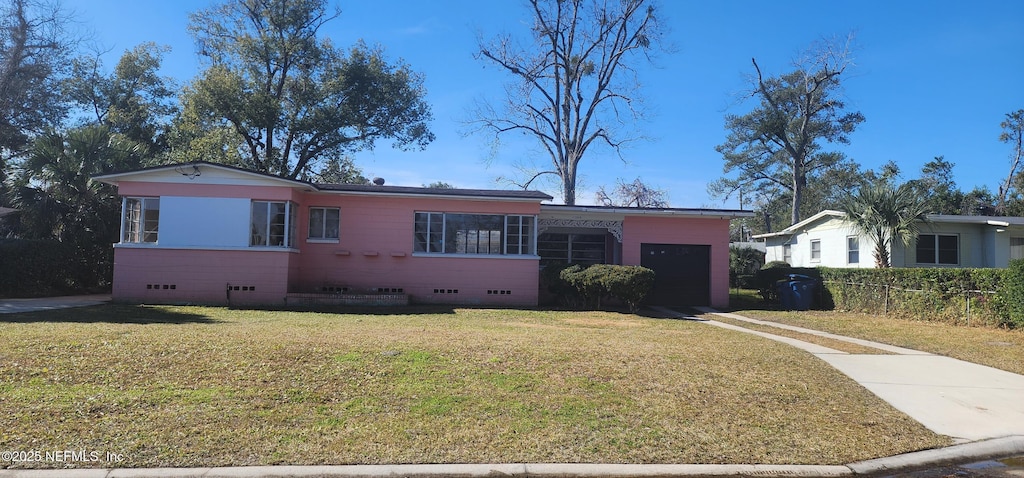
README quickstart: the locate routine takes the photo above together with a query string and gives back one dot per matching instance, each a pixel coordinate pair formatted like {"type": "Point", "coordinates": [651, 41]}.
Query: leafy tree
{"type": "Point", "coordinates": [885, 213]}
{"type": "Point", "coordinates": [292, 99]}
{"type": "Point", "coordinates": [575, 82]}
{"type": "Point", "coordinates": [1013, 133]}
{"type": "Point", "coordinates": [133, 100]}
{"type": "Point", "coordinates": [936, 182]}
{"type": "Point", "coordinates": [439, 185]}
{"type": "Point", "coordinates": [780, 143]}
{"type": "Point", "coordinates": [634, 194]}
{"type": "Point", "coordinates": [58, 200]}
{"type": "Point", "coordinates": [33, 50]}
{"type": "Point", "coordinates": [340, 171]}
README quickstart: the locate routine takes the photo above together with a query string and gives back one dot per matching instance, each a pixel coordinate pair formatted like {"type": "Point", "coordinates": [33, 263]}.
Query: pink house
{"type": "Point", "coordinates": [208, 233]}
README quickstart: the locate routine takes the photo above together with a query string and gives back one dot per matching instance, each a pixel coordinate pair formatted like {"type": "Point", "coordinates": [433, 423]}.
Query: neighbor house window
{"type": "Point", "coordinates": [1016, 248]}
{"type": "Point", "coordinates": [853, 250]}
{"type": "Point", "coordinates": [938, 249]}
{"type": "Point", "coordinates": [491, 234]}
{"type": "Point", "coordinates": [141, 220]}
{"type": "Point", "coordinates": [272, 224]}
{"type": "Point", "coordinates": [787, 253]}
{"type": "Point", "coordinates": [324, 222]}
{"type": "Point", "coordinates": [816, 250]}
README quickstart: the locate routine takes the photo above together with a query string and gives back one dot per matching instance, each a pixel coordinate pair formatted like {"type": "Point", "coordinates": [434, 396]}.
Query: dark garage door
{"type": "Point", "coordinates": [682, 273]}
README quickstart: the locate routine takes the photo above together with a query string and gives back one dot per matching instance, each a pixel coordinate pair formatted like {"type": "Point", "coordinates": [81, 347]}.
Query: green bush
{"type": "Point", "coordinates": [934, 294]}
{"type": "Point", "coordinates": [35, 268]}
{"type": "Point", "coordinates": [744, 262]}
{"type": "Point", "coordinates": [629, 284]}
{"type": "Point", "coordinates": [1011, 294]}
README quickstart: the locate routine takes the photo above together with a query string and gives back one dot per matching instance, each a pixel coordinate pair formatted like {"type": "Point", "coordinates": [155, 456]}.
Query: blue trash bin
{"type": "Point", "coordinates": [797, 292]}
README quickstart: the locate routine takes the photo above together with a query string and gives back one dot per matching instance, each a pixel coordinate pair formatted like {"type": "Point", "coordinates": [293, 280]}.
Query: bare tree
{"type": "Point", "coordinates": [634, 194]}
{"type": "Point", "coordinates": [575, 82]}
{"type": "Point", "coordinates": [34, 47]}
{"type": "Point", "coordinates": [1013, 133]}
{"type": "Point", "coordinates": [780, 142]}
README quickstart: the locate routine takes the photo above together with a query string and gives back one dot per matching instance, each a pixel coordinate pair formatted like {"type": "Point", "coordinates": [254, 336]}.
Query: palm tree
{"type": "Point", "coordinates": [884, 213]}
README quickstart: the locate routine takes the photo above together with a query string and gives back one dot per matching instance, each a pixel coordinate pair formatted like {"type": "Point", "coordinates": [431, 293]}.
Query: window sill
{"type": "Point", "coordinates": [322, 241]}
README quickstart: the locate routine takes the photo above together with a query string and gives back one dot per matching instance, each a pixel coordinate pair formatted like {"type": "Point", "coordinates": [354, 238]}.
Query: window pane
{"type": "Point", "coordinates": [277, 224]}
{"type": "Point", "coordinates": [132, 216]}
{"type": "Point", "coordinates": [332, 223]}
{"type": "Point", "coordinates": [150, 219]}
{"type": "Point", "coordinates": [316, 223]}
{"type": "Point", "coordinates": [292, 223]}
{"type": "Point", "coordinates": [258, 224]}
{"type": "Point", "coordinates": [815, 250]}
{"type": "Point", "coordinates": [852, 250]}
{"type": "Point", "coordinates": [1016, 248]}
{"type": "Point", "coordinates": [948, 250]}
{"type": "Point", "coordinates": [926, 249]}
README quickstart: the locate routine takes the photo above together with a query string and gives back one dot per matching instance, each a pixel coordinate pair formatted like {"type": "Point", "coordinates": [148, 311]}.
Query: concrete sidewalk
{"type": "Point", "coordinates": [14, 306]}
{"type": "Point", "coordinates": [962, 400]}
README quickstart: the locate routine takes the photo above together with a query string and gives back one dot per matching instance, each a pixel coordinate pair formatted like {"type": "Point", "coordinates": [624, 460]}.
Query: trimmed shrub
{"type": "Point", "coordinates": [1011, 295]}
{"type": "Point", "coordinates": [934, 294]}
{"type": "Point", "coordinates": [629, 284]}
{"type": "Point", "coordinates": [36, 268]}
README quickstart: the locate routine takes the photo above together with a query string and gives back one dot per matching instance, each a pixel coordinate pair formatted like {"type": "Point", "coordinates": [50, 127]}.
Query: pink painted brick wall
{"type": "Point", "coordinates": [694, 231]}
{"type": "Point", "coordinates": [200, 276]}
{"type": "Point", "coordinates": [375, 250]}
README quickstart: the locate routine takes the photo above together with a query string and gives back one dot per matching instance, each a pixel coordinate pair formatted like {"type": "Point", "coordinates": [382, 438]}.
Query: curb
{"type": "Point", "coordinates": [967, 452]}
{"type": "Point", "coordinates": [956, 454]}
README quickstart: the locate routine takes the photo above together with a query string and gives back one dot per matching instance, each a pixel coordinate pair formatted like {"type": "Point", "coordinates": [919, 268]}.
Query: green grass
{"type": "Point", "coordinates": [192, 386]}
{"type": "Point", "coordinates": [995, 347]}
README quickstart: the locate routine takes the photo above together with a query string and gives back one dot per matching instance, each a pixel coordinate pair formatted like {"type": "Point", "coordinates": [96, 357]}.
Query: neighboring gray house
{"type": "Point", "coordinates": [826, 239]}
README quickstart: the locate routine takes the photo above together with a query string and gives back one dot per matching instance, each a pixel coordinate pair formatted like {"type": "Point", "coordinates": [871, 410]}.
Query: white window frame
{"type": "Point", "coordinates": [290, 210]}
{"type": "Point", "coordinates": [815, 252]}
{"type": "Point", "coordinates": [135, 229]}
{"type": "Point", "coordinates": [427, 240]}
{"type": "Point", "coordinates": [850, 251]}
{"type": "Point", "coordinates": [323, 233]}
{"type": "Point", "coordinates": [787, 253]}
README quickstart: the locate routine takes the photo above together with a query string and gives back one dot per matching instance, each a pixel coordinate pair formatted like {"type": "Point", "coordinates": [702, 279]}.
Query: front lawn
{"type": "Point", "coordinates": [192, 386]}
{"type": "Point", "coordinates": [986, 345]}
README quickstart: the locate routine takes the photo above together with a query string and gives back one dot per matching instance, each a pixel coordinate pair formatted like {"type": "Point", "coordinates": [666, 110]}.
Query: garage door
{"type": "Point", "coordinates": [682, 273]}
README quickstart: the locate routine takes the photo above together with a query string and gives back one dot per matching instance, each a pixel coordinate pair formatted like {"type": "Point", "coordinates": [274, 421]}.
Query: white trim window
{"type": "Point", "coordinates": [140, 221]}
{"type": "Point", "coordinates": [787, 254]}
{"type": "Point", "coordinates": [852, 250]}
{"type": "Point", "coordinates": [938, 249]}
{"type": "Point", "coordinates": [324, 223]}
{"type": "Point", "coordinates": [474, 234]}
{"type": "Point", "coordinates": [272, 224]}
{"type": "Point", "coordinates": [816, 250]}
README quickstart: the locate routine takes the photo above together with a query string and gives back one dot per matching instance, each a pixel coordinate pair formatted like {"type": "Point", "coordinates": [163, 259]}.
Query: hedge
{"type": "Point", "coordinates": [937, 294]}
{"type": "Point", "coordinates": [39, 267]}
{"type": "Point", "coordinates": [630, 284]}
{"type": "Point", "coordinates": [34, 268]}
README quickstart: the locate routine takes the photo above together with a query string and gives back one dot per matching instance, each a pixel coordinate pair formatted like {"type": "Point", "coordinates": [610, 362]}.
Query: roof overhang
{"type": "Point", "coordinates": [562, 210]}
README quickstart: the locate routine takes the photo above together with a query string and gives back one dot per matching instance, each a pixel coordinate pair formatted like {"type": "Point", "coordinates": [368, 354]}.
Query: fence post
{"type": "Point", "coordinates": [967, 295]}
{"type": "Point", "coordinates": [886, 300]}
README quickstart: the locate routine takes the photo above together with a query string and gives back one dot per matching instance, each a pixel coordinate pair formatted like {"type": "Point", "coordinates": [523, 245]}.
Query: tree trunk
{"type": "Point", "coordinates": [881, 255]}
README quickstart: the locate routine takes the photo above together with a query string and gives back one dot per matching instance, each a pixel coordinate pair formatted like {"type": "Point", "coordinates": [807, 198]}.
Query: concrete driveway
{"type": "Point", "coordinates": [14, 306]}
{"type": "Point", "coordinates": [962, 400]}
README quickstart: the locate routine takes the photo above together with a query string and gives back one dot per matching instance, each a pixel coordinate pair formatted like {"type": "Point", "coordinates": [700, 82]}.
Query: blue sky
{"type": "Point", "coordinates": [931, 77]}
